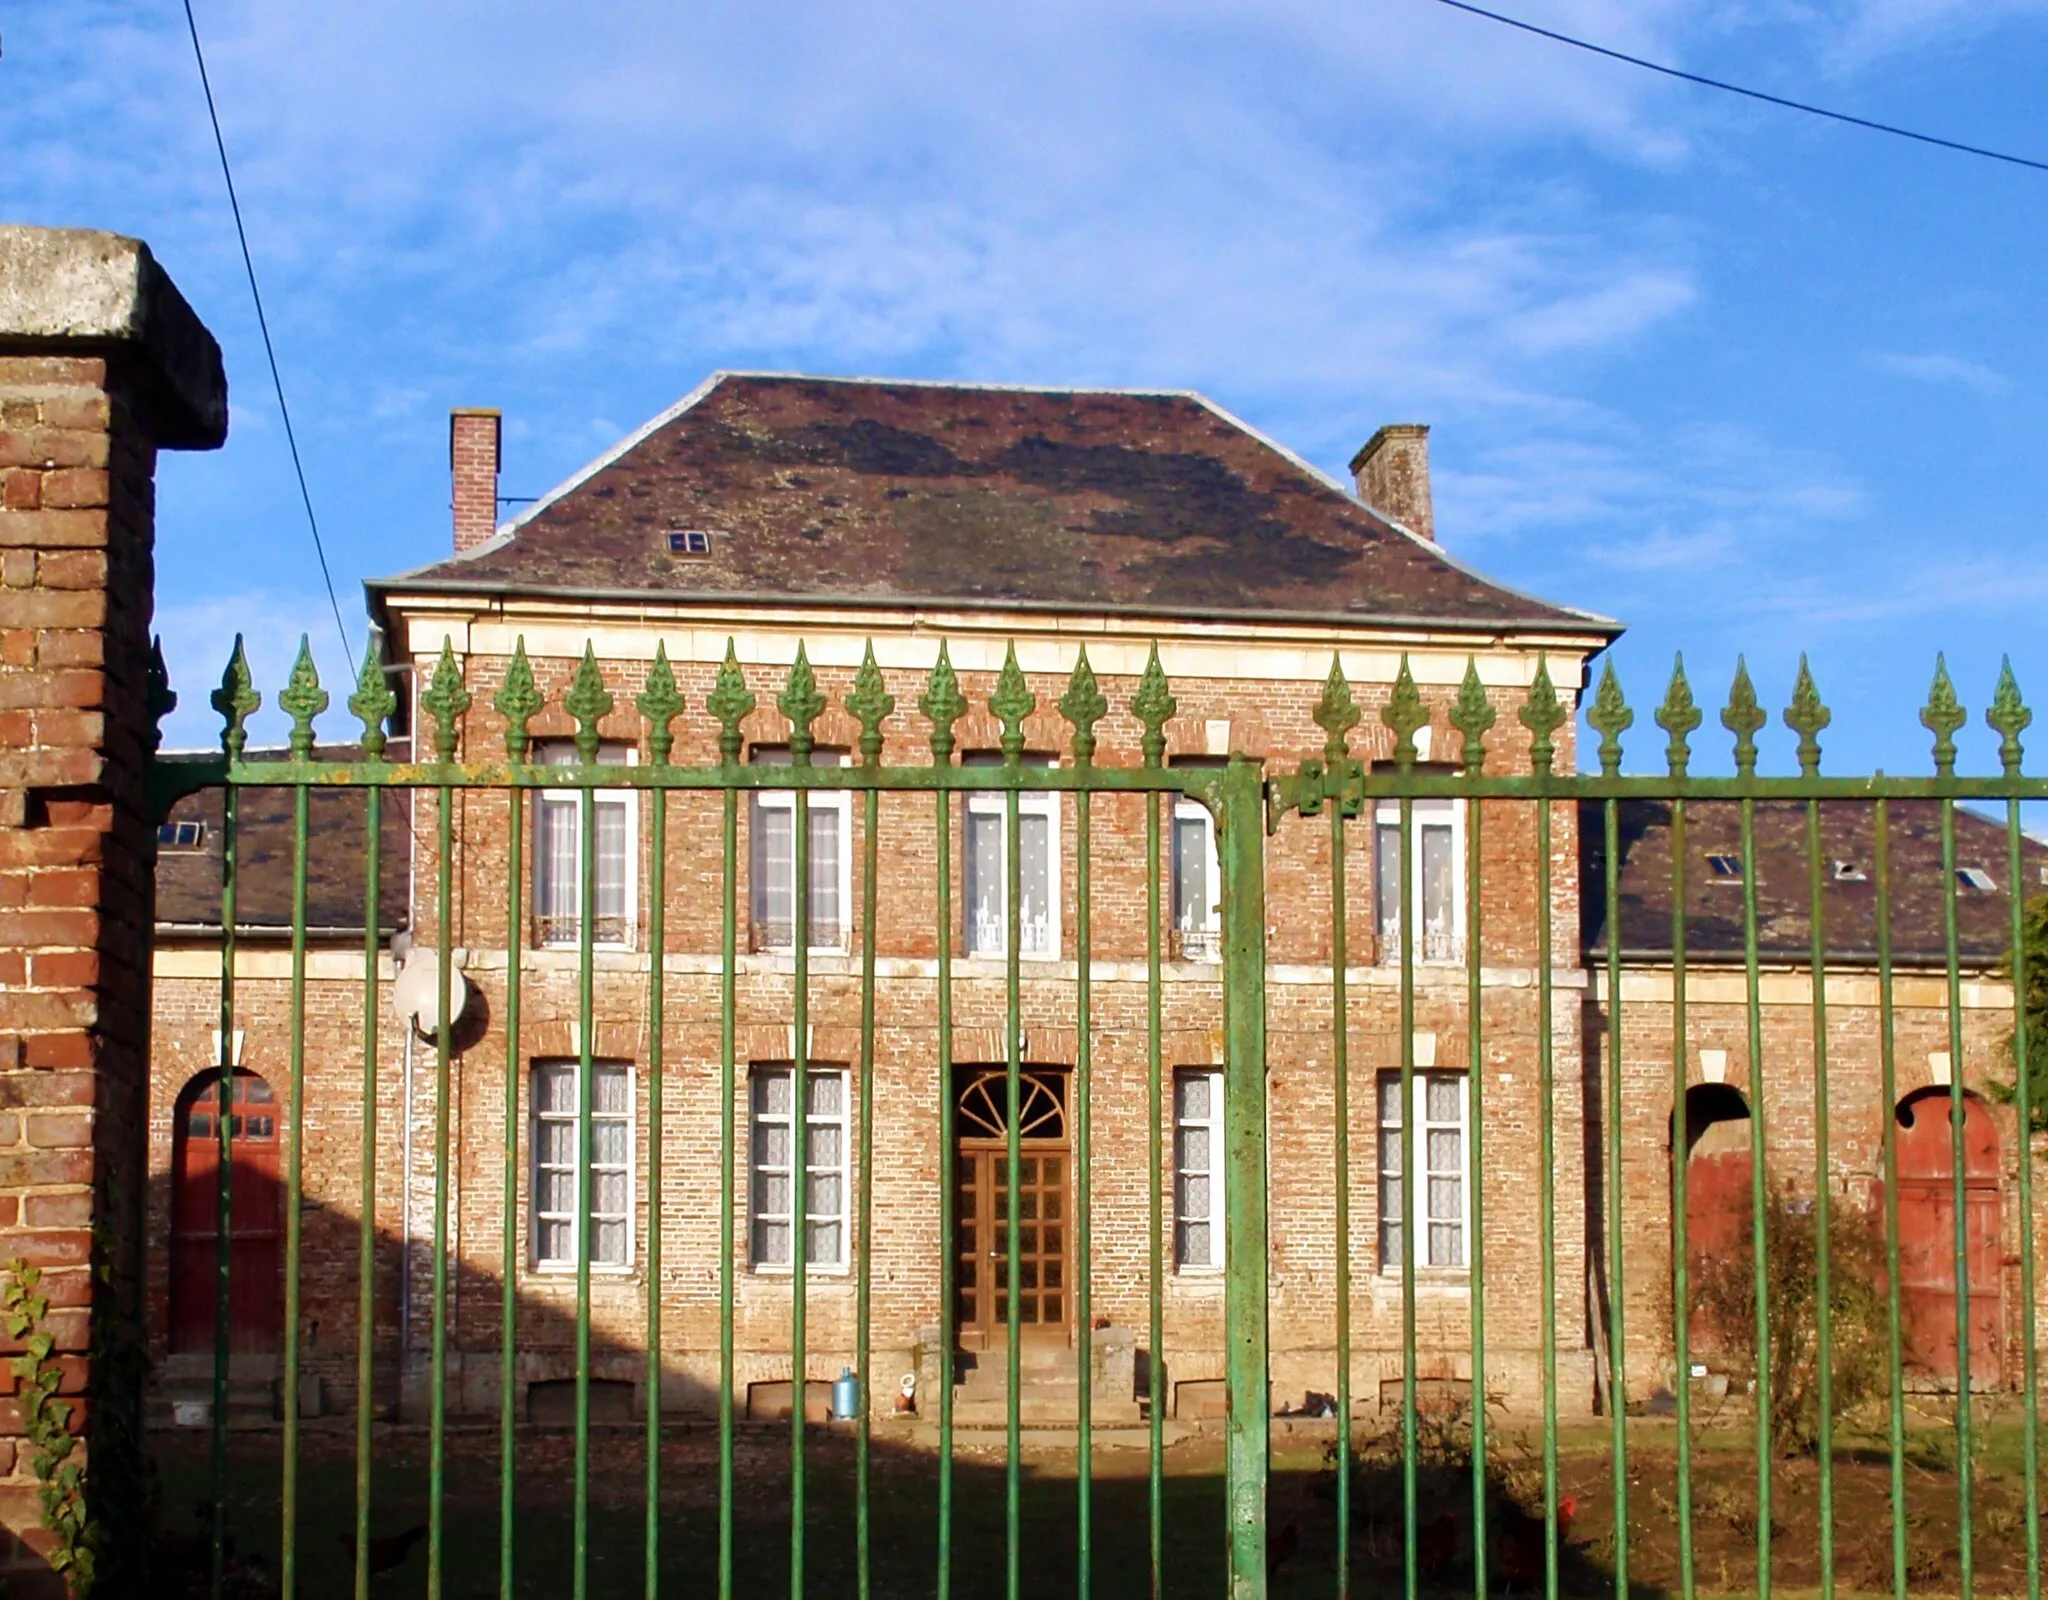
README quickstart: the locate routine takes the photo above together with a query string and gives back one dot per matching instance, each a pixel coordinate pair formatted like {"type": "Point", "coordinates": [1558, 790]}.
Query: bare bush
{"type": "Point", "coordinates": [1724, 1307]}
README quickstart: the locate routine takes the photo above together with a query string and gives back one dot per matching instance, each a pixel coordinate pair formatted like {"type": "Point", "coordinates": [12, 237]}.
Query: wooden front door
{"type": "Point", "coordinates": [256, 1297]}
{"type": "Point", "coordinates": [1927, 1235]}
{"type": "Point", "coordinates": [982, 1199]}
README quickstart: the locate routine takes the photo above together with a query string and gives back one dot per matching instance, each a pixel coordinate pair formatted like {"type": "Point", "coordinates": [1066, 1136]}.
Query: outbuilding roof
{"type": "Point", "coordinates": [188, 862]}
{"type": "Point", "coordinates": [1714, 882]}
{"type": "Point", "coordinates": [776, 488]}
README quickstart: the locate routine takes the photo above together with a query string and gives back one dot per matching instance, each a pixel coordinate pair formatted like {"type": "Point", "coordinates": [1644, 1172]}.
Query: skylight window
{"type": "Point", "coordinates": [181, 835]}
{"type": "Point", "coordinates": [689, 542]}
{"type": "Point", "coordinates": [1725, 866]}
{"type": "Point", "coordinates": [1848, 872]}
{"type": "Point", "coordinates": [1975, 878]}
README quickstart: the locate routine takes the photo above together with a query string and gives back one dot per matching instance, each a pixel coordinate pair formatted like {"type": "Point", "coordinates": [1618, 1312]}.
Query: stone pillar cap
{"type": "Point", "coordinates": [81, 290]}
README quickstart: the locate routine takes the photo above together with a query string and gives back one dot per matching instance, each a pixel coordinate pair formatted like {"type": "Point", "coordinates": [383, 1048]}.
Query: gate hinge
{"type": "Point", "coordinates": [1317, 782]}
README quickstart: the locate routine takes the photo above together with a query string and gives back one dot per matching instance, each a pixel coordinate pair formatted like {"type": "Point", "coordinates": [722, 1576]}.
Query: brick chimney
{"type": "Point", "coordinates": [473, 463]}
{"type": "Point", "coordinates": [1393, 476]}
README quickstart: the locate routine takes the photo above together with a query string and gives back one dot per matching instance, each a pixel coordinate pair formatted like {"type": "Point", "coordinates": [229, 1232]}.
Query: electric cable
{"type": "Point", "coordinates": [269, 350]}
{"type": "Point", "coordinates": [1748, 94]}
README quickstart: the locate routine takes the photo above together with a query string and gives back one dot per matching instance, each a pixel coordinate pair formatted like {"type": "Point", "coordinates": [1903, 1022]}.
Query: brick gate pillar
{"type": "Point", "coordinates": [102, 364]}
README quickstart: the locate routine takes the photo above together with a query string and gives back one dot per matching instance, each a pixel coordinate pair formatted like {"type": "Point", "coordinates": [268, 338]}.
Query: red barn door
{"type": "Point", "coordinates": [1927, 1235]}
{"type": "Point", "coordinates": [256, 1297]}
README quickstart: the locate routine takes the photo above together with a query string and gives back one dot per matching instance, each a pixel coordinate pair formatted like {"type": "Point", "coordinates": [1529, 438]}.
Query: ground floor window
{"type": "Point", "coordinates": [557, 1165]}
{"type": "Point", "coordinates": [771, 1159]}
{"type": "Point", "coordinates": [1443, 1206]}
{"type": "Point", "coordinates": [1198, 1169]}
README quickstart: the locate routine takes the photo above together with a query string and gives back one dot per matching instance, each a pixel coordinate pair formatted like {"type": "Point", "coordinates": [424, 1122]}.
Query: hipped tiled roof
{"type": "Point", "coordinates": [886, 493]}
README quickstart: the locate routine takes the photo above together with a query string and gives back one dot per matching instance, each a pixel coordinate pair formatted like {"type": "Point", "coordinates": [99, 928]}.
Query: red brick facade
{"type": "Point", "coordinates": [1273, 720]}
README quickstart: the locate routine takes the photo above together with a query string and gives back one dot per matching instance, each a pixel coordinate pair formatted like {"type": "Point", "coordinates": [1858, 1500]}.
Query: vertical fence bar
{"type": "Point", "coordinates": [288, 1533]}
{"type": "Point", "coordinates": [2022, 1048]}
{"type": "Point", "coordinates": [727, 1088]}
{"type": "Point", "coordinates": [508, 1287]}
{"type": "Point", "coordinates": [224, 1096]}
{"type": "Point", "coordinates": [949, 1244]}
{"type": "Point", "coordinates": [1681, 1267]}
{"type": "Point", "coordinates": [1546, 1177]}
{"type": "Point", "coordinates": [657, 944]}
{"type": "Point", "coordinates": [864, 1287]}
{"type": "Point", "coordinates": [1958, 1106]}
{"type": "Point", "coordinates": [1758, 1191]}
{"type": "Point", "coordinates": [1475, 1059]}
{"type": "Point", "coordinates": [366, 1243]}
{"type": "Point", "coordinates": [800, 1185]}
{"type": "Point", "coordinates": [1247, 1437]}
{"type": "Point", "coordinates": [1013, 1464]}
{"type": "Point", "coordinates": [1155, 1374]}
{"type": "Point", "coordinates": [1084, 1312]}
{"type": "Point", "coordinates": [1617, 1316]}
{"type": "Point", "coordinates": [586, 1100]}
{"type": "Point", "coordinates": [1823, 1204]}
{"type": "Point", "coordinates": [437, 1371]}
{"type": "Point", "coordinates": [1340, 1093]}
{"type": "Point", "coordinates": [1410, 1557]}
{"type": "Point", "coordinates": [1889, 1155]}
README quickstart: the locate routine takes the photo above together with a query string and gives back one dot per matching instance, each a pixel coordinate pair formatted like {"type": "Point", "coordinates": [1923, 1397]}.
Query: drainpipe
{"type": "Point", "coordinates": [405, 1209]}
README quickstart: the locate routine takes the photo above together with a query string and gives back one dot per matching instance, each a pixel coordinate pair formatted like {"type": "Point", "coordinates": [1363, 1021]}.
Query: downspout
{"type": "Point", "coordinates": [405, 1245]}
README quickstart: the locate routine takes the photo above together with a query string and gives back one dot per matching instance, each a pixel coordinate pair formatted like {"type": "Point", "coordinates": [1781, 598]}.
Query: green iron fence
{"type": "Point", "coordinates": [1248, 807]}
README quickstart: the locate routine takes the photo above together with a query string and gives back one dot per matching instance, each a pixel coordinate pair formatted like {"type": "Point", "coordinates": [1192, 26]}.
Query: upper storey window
{"type": "Point", "coordinates": [1437, 868]}
{"type": "Point", "coordinates": [558, 854]}
{"type": "Point", "coordinates": [988, 923]}
{"type": "Point", "coordinates": [774, 859]}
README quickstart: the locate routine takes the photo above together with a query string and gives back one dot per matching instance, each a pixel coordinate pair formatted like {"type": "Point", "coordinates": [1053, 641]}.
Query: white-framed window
{"type": "Point", "coordinates": [774, 859]}
{"type": "Point", "coordinates": [1198, 1169]}
{"type": "Point", "coordinates": [1438, 865]}
{"type": "Point", "coordinates": [1197, 880]}
{"type": "Point", "coordinates": [987, 868]}
{"type": "Point", "coordinates": [771, 1156]}
{"type": "Point", "coordinates": [557, 1165]}
{"type": "Point", "coordinates": [558, 853]}
{"type": "Point", "coordinates": [1444, 1204]}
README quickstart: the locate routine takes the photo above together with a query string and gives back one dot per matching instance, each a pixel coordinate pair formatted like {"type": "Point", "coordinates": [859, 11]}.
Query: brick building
{"type": "Point", "coordinates": [774, 512]}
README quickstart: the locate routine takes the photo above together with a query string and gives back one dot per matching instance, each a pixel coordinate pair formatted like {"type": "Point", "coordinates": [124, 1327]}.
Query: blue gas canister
{"type": "Point", "coordinates": [845, 1395]}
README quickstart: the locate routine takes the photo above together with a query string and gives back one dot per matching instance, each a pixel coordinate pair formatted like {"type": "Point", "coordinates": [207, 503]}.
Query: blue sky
{"type": "Point", "coordinates": [1745, 380]}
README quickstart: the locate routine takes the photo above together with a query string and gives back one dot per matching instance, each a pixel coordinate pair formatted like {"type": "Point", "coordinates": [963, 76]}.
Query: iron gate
{"type": "Point", "coordinates": [1247, 806]}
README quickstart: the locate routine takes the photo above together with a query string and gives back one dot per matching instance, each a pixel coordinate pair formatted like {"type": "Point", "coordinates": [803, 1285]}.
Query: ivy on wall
{"type": "Point", "coordinates": [46, 1423]}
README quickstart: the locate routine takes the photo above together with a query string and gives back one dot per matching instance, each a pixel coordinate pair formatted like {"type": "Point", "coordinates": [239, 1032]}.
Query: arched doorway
{"type": "Point", "coordinates": [1719, 1170]}
{"type": "Point", "coordinates": [981, 1279]}
{"type": "Point", "coordinates": [255, 1296]}
{"type": "Point", "coordinates": [1927, 1234]}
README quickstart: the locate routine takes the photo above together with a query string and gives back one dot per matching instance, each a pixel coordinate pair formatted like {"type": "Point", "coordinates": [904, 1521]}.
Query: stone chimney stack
{"type": "Point", "coordinates": [473, 464]}
{"type": "Point", "coordinates": [1393, 476]}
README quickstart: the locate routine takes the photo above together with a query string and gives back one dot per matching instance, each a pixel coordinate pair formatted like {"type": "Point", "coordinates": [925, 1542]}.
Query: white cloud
{"type": "Point", "coordinates": [1937, 368]}
{"type": "Point", "coordinates": [1693, 497]}
{"type": "Point", "coordinates": [1870, 29]}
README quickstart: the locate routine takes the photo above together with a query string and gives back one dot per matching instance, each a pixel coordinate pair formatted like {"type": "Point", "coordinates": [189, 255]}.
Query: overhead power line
{"type": "Point", "coordinates": [269, 350]}
{"type": "Point", "coordinates": [1747, 94]}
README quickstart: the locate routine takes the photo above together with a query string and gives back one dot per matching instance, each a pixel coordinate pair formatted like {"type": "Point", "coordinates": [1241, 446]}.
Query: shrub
{"type": "Point", "coordinates": [1724, 1302]}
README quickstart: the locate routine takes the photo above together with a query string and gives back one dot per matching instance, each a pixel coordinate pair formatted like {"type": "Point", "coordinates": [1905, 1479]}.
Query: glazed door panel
{"type": "Point", "coordinates": [982, 1308]}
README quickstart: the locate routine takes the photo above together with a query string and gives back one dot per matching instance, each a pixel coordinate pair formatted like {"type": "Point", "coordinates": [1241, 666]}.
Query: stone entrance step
{"type": "Point", "coordinates": [182, 1395]}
